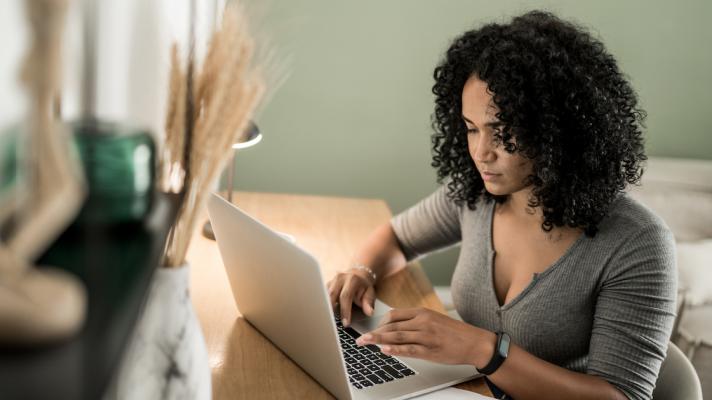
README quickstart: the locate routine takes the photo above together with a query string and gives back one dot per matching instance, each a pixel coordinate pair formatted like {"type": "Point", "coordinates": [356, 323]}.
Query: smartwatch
{"type": "Point", "coordinates": [501, 350]}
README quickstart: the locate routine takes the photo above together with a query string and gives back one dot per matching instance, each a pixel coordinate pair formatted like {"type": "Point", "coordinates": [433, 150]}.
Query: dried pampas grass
{"type": "Point", "coordinates": [225, 93]}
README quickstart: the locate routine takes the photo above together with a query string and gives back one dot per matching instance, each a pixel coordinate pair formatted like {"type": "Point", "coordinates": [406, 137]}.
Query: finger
{"type": "Point", "coordinates": [400, 314]}
{"type": "Point", "coordinates": [359, 296]}
{"type": "Point", "coordinates": [407, 325]}
{"type": "Point", "coordinates": [345, 299]}
{"type": "Point", "coordinates": [368, 299]}
{"type": "Point", "coordinates": [331, 290]}
{"type": "Point", "coordinates": [397, 337]}
{"type": "Point", "coordinates": [334, 290]}
{"type": "Point", "coordinates": [406, 350]}
{"type": "Point", "coordinates": [375, 335]}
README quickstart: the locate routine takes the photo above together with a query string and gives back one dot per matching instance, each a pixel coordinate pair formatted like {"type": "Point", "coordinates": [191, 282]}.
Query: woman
{"type": "Point", "coordinates": [537, 135]}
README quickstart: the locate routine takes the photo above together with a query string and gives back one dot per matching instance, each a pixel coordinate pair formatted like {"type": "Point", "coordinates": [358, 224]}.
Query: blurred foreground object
{"type": "Point", "coordinates": [40, 305]}
{"type": "Point", "coordinates": [113, 246]}
{"type": "Point", "coordinates": [120, 167]}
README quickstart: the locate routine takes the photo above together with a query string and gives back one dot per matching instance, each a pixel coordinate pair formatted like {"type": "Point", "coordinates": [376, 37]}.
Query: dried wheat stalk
{"type": "Point", "coordinates": [171, 170]}
{"type": "Point", "coordinates": [227, 90]}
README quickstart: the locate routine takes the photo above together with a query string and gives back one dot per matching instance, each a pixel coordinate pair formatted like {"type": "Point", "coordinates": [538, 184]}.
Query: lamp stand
{"type": "Point", "coordinates": [207, 227]}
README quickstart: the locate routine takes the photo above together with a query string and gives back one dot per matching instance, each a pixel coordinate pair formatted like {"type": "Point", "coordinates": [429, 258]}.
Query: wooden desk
{"type": "Point", "coordinates": [245, 365]}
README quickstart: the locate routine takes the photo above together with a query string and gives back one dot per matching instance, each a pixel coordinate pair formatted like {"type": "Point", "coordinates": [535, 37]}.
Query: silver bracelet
{"type": "Point", "coordinates": [368, 270]}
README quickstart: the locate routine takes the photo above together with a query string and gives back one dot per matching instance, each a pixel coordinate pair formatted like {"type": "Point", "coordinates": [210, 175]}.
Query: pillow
{"type": "Point", "coordinates": [686, 210]}
{"type": "Point", "coordinates": [694, 263]}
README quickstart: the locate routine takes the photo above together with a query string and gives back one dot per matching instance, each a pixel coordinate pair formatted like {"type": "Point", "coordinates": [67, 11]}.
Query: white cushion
{"type": "Point", "coordinates": [680, 171]}
{"type": "Point", "coordinates": [679, 191]}
{"type": "Point", "coordinates": [687, 212]}
{"type": "Point", "coordinates": [694, 262]}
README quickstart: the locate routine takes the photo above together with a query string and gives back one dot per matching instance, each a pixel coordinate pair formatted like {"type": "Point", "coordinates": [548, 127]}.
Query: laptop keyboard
{"type": "Point", "coordinates": [367, 365]}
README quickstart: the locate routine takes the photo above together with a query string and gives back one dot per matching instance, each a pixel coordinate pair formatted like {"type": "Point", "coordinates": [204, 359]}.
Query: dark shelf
{"type": "Point", "coordinates": [116, 263]}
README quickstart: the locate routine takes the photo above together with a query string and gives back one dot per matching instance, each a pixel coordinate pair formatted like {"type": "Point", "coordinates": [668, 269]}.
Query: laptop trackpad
{"type": "Point", "coordinates": [363, 323]}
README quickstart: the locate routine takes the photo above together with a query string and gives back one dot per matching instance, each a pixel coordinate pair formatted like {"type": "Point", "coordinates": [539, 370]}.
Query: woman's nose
{"type": "Point", "coordinates": [484, 149]}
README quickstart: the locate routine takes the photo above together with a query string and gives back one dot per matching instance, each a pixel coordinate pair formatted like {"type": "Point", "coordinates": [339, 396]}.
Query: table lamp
{"type": "Point", "coordinates": [252, 138]}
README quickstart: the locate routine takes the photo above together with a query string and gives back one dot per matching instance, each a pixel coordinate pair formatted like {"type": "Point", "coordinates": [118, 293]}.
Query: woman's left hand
{"type": "Point", "coordinates": [426, 334]}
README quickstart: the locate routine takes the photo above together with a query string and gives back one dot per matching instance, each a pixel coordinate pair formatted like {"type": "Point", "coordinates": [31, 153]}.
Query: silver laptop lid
{"type": "Point", "coordinates": [278, 288]}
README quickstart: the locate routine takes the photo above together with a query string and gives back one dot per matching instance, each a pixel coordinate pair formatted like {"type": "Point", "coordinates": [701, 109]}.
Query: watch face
{"type": "Point", "coordinates": [504, 346]}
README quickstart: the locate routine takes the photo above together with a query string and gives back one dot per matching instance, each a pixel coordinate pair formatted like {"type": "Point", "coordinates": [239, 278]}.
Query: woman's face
{"type": "Point", "coordinates": [503, 173]}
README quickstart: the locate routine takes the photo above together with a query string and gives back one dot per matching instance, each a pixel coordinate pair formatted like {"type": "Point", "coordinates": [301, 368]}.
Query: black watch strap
{"type": "Point", "coordinates": [501, 351]}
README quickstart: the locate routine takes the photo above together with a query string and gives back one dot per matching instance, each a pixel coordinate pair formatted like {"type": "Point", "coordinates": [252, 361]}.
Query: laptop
{"type": "Point", "coordinates": [279, 289]}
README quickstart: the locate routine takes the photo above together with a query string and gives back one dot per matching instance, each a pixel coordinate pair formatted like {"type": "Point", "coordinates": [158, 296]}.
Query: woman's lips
{"type": "Point", "coordinates": [489, 176]}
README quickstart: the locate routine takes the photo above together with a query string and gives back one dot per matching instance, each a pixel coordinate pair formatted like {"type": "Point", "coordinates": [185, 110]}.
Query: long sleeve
{"type": "Point", "coordinates": [431, 224]}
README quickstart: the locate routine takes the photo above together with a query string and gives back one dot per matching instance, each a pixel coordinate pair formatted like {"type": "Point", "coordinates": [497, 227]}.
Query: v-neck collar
{"type": "Point", "coordinates": [535, 277]}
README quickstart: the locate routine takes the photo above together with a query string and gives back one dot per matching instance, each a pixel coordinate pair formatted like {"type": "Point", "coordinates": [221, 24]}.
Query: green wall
{"type": "Point", "coordinates": [353, 117]}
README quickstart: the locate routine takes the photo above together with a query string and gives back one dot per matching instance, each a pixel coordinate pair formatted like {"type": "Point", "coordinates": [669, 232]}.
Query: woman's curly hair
{"type": "Point", "coordinates": [564, 104]}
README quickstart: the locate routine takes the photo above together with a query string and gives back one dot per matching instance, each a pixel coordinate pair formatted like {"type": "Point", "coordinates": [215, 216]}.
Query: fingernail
{"type": "Point", "coordinates": [364, 338]}
{"type": "Point", "coordinates": [345, 321]}
{"type": "Point", "coordinates": [386, 349]}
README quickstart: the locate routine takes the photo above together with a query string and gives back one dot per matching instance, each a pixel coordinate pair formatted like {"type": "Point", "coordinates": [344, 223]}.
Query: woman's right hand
{"type": "Point", "coordinates": [354, 286]}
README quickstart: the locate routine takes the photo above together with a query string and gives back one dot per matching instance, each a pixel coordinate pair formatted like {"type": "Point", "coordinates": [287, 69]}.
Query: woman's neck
{"type": "Point", "coordinates": [518, 204]}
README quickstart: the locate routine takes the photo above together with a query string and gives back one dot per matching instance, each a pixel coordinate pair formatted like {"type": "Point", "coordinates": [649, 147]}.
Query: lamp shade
{"type": "Point", "coordinates": [252, 138]}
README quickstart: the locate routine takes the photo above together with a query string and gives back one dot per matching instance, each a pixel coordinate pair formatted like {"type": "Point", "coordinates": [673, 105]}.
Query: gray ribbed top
{"type": "Point", "coordinates": [606, 307]}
